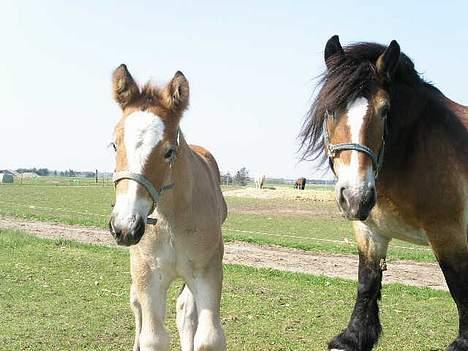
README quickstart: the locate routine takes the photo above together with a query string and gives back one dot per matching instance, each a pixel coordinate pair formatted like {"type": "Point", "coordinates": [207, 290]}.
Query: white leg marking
{"type": "Point", "coordinates": [136, 308]}
{"type": "Point", "coordinates": [187, 319]}
{"type": "Point", "coordinates": [207, 293]}
{"type": "Point", "coordinates": [152, 299]}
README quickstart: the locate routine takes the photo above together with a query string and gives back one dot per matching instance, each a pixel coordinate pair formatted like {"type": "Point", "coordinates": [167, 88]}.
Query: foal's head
{"type": "Point", "coordinates": [348, 119]}
{"type": "Point", "coordinates": [146, 139]}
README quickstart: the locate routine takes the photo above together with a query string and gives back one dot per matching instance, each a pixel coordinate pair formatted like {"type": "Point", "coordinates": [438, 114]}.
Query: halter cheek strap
{"type": "Point", "coordinates": [146, 183]}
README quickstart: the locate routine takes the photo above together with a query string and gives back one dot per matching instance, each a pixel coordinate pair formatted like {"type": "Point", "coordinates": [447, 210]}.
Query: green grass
{"type": "Point", "coordinates": [307, 225]}
{"type": "Point", "coordinates": [61, 295]}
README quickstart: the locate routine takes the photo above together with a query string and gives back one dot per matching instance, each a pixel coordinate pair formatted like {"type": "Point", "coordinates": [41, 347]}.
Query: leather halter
{"type": "Point", "coordinates": [333, 149]}
{"type": "Point", "coordinates": [147, 184]}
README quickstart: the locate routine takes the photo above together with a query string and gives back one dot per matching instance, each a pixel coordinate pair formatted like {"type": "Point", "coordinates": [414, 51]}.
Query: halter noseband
{"type": "Point", "coordinates": [333, 149]}
{"type": "Point", "coordinates": [147, 184]}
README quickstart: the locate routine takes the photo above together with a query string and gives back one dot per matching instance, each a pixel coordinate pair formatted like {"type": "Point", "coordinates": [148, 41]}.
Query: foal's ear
{"type": "Point", "coordinates": [124, 87]}
{"type": "Point", "coordinates": [177, 92]}
{"type": "Point", "coordinates": [332, 48]}
{"type": "Point", "coordinates": [387, 63]}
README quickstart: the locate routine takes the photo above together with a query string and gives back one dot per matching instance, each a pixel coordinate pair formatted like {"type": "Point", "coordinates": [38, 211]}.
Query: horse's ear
{"type": "Point", "coordinates": [332, 48]}
{"type": "Point", "coordinates": [387, 63]}
{"type": "Point", "coordinates": [124, 87]}
{"type": "Point", "coordinates": [177, 92]}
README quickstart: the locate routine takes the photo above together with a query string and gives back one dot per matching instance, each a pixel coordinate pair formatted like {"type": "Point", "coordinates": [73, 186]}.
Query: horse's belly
{"type": "Point", "coordinates": [392, 226]}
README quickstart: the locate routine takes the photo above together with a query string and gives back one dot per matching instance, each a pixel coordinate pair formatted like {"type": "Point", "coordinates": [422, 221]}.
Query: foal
{"type": "Point", "coordinates": [158, 175]}
{"type": "Point", "coordinates": [399, 150]}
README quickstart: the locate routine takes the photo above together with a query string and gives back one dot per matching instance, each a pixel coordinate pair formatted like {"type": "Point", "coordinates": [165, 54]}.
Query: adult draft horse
{"type": "Point", "coordinates": [300, 183]}
{"type": "Point", "coordinates": [158, 174]}
{"type": "Point", "coordinates": [399, 150]}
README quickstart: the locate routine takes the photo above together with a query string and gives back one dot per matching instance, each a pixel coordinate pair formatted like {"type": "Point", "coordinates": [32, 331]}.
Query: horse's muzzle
{"type": "Point", "coordinates": [129, 233]}
{"type": "Point", "coordinates": [356, 203]}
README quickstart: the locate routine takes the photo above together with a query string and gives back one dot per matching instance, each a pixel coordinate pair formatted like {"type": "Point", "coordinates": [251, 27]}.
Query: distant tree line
{"type": "Point", "coordinates": [45, 172]}
{"type": "Point", "coordinates": [240, 178]}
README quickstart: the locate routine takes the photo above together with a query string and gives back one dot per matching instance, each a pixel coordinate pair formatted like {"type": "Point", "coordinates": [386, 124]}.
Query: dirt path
{"type": "Point", "coordinates": [292, 260]}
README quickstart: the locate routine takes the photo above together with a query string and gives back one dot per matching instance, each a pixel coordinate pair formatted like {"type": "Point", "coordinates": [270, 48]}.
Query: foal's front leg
{"type": "Point", "coordinates": [149, 292]}
{"type": "Point", "coordinates": [364, 327]}
{"type": "Point", "coordinates": [136, 308]}
{"type": "Point", "coordinates": [206, 288]}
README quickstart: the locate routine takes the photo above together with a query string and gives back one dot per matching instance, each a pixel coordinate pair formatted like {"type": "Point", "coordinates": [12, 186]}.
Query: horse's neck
{"type": "Point", "coordinates": [425, 120]}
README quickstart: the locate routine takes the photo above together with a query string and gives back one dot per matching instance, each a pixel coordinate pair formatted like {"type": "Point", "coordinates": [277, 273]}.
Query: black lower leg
{"type": "Point", "coordinates": [456, 274]}
{"type": "Point", "coordinates": [364, 327]}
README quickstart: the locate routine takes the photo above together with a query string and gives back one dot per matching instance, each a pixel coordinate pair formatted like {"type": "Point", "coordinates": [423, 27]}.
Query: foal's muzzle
{"type": "Point", "coordinates": [356, 202]}
{"type": "Point", "coordinates": [128, 234]}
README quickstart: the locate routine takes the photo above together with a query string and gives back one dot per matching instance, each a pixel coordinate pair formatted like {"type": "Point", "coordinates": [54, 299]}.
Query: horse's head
{"type": "Point", "coordinates": [145, 141]}
{"type": "Point", "coordinates": [350, 117]}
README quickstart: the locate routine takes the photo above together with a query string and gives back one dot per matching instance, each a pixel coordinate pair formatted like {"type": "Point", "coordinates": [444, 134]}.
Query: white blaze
{"type": "Point", "coordinates": [356, 112]}
{"type": "Point", "coordinates": [142, 133]}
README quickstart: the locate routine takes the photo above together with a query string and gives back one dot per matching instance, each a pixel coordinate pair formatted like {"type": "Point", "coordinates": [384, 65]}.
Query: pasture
{"type": "Point", "coordinates": [307, 219]}
{"type": "Point", "coordinates": [62, 295]}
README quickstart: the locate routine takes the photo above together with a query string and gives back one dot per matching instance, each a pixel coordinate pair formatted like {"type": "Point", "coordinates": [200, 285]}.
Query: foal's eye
{"type": "Point", "coordinates": [169, 154]}
{"type": "Point", "coordinates": [112, 144]}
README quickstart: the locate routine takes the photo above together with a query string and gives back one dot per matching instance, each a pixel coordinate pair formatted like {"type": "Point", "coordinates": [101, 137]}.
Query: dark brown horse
{"type": "Point", "coordinates": [399, 150]}
{"type": "Point", "coordinates": [300, 183]}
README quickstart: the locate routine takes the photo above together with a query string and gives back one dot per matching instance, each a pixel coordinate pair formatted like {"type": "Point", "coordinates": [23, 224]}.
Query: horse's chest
{"type": "Point", "coordinates": [392, 225]}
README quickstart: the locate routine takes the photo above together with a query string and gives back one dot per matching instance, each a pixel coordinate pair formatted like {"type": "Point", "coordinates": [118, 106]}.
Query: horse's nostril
{"type": "Point", "coordinates": [373, 195]}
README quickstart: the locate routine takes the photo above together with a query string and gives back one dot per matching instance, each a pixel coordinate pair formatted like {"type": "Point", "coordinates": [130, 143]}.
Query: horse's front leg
{"type": "Point", "coordinates": [450, 248]}
{"type": "Point", "coordinates": [148, 301]}
{"type": "Point", "coordinates": [206, 288]}
{"type": "Point", "coordinates": [364, 327]}
{"type": "Point", "coordinates": [136, 308]}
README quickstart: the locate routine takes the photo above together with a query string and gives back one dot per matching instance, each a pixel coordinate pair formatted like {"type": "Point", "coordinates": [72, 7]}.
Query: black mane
{"type": "Point", "coordinates": [346, 79]}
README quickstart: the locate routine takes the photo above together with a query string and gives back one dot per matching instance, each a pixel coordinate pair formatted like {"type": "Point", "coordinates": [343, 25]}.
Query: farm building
{"type": "Point", "coordinates": [6, 178]}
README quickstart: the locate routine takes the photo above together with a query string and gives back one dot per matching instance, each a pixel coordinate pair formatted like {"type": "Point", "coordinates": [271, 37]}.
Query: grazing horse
{"type": "Point", "coordinates": [399, 150]}
{"type": "Point", "coordinates": [259, 181]}
{"type": "Point", "coordinates": [169, 209]}
{"type": "Point", "coordinates": [300, 183]}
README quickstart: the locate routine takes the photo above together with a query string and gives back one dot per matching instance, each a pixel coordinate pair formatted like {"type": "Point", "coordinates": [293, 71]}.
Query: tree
{"type": "Point", "coordinates": [226, 179]}
{"type": "Point", "coordinates": [242, 176]}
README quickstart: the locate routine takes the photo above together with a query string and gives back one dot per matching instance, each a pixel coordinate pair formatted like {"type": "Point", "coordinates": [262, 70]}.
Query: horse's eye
{"type": "Point", "coordinates": [384, 111]}
{"type": "Point", "coordinates": [169, 154]}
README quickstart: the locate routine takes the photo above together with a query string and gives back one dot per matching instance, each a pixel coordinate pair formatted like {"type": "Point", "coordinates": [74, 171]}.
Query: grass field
{"type": "Point", "coordinates": [299, 223]}
{"type": "Point", "coordinates": [60, 295]}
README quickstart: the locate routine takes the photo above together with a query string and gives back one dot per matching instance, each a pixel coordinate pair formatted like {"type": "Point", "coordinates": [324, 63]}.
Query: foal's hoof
{"type": "Point", "coordinates": [460, 344]}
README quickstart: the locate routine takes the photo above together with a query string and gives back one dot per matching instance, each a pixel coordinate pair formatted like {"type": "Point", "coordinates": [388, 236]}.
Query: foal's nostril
{"type": "Point", "coordinates": [116, 233]}
{"type": "Point", "coordinates": [344, 203]}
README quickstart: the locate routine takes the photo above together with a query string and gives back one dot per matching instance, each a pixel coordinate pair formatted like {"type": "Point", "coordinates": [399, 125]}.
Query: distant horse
{"type": "Point", "coordinates": [373, 100]}
{"type": "Point", "coordinates": [157, 173]}
{"type": "Point", "coordinates": [259, 181]}
{"type": "Point", "coordinates": [300, 183]}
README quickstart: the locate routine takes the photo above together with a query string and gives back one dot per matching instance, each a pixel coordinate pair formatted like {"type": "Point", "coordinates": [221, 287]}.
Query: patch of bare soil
{"type": "Point", "coordinates": [282, 193]}
{"type": "Point", "coordinates": [285, 259]}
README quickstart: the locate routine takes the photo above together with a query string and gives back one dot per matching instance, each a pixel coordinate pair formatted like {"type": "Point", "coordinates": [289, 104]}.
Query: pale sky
{"type": "Point", "coordinates": [251, 67]}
